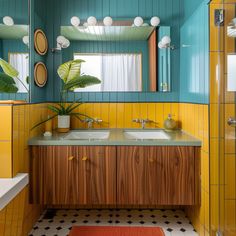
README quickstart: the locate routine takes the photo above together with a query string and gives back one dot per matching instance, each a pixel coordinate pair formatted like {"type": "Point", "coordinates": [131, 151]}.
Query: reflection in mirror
{"type": "Point", "coordinates": [124, 58]}
{"type": "Point", "coordinates": [231, 71]}
{"type": "Point", "coordinates": [117, 72]}
{"type": "Point", "coordinates": [164, 73]}
{"type": "Point", "coordinates": [231, 59]}
{"type": "Point", "coordinates": [14, 44]}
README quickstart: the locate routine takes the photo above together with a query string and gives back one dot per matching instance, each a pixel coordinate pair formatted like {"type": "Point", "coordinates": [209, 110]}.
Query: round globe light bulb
{"type": "Point", "coordinates": [155, 21]}
{"type": "Point", "coordinates": [107, 21]}
{"type": "Point", "coordinates": [92, 21]}
{"type": "Point", "coordinates": [7, 20]}
{"type": "Point", "coordinates": [145, 24]}
{"type": "Point", "coordinates": [25, 39]}
{"type": "Point", "coordinates": [61, 39]}
{"type": "Point", "coordinates": [160, 45]}
{"type": "Point", "coordinates": [138, 21]}
{"type": "Point", "coordinates": [166, 40]}
{"type": "Point", "coordinates": [75, 21]}
{"type": "Point", "coordinates": [66, 43]}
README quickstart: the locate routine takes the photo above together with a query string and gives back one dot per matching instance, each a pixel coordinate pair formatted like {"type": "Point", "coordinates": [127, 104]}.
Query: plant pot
{"type": "Point", "coordinates": [63, 124]}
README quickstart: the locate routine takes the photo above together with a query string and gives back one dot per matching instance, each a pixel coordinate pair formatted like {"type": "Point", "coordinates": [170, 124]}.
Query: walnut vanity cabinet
{"type": "Point", "coordinates": [81, 175]}
{"type": "Point", "coordinates": [158, 175]}
{"type": "Point", "coordinates": [115, 175]}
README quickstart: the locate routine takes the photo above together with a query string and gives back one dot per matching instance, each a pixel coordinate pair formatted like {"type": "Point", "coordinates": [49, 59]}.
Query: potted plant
{"type": "Point", "coordinates": [7, 82]}
{"type": "Point", "coordinates": [71, 77]}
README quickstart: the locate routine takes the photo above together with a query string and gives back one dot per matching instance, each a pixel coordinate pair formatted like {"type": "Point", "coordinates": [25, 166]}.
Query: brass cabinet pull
{"type": "Point", "coordinates": [71, 158]}
{"type": "Point", "coordinates": [84, 158]}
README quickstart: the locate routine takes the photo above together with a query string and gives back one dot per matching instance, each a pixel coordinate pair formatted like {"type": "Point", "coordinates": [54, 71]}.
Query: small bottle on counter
{"type": "Point", "coordinates": [170, 124]}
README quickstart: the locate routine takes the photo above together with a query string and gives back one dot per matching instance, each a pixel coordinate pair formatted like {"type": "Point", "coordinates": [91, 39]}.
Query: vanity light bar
{"type": "Point", "coordinates": [108, 21]}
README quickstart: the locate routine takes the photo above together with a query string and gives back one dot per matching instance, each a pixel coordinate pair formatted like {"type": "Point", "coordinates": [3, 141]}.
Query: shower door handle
{"type": "Point", "coordinates": [232, 122]}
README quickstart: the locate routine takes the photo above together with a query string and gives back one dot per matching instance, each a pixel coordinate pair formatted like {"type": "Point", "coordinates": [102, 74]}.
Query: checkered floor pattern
{"type": "Point", "coordinates": [59, 222]}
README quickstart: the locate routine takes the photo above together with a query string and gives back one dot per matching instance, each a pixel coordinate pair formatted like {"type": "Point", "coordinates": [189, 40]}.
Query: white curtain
{"type": "Point", "coordinates": [20, 61]}
{"type": "Point", "coordinates": [121, 72]}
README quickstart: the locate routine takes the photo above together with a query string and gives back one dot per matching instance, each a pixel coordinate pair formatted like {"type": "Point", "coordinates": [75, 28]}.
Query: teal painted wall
{"type": "Point", "coordinates": [18, 9]}
{"type": "Point", "coordinates": [170, 13]}
{"type": "Point", "coordinates": [194, 54]}
{"type": "Point", "coordinates": [190, 7]}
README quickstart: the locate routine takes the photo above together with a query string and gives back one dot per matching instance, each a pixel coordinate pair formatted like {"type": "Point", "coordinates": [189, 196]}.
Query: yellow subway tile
{"type": "Point", "coordinates": [127, 116]}
{"type": "Point", "coordinates": [151, 114]}
{"type": "Point", "coordinates": [214, 80]}
{"type": "Point", "coordinates": [6, 123]}
{"type": "Point", "coordinates": [5, 160]}
{"type": "Point", "coordinates": [230, 217]}
{"type": "Point", "coordinates": [159, 114]}
{"type": "Point", "coordinates": [120, 115]}
{"type": "Point", "coordinates": [136, 114]}
{"type": "Point", "coordinates": [205, 170]}
{"type": "Point", "coordinates": [143, 110]}
{"type": "Point", "coordinates": [112, 115]}
{"type": "Point", "coordinates": [230, 176]}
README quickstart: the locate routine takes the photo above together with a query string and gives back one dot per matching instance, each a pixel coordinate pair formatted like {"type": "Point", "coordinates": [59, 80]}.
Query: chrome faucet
{"type": "Point", "coordinates": [90, 121]}
{"type": "Point", "coordinates": [143, 122]}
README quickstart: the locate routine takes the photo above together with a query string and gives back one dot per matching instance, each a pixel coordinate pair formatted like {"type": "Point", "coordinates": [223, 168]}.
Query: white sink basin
{"type": "Point", "coordinates": [157, 134]}
{"type": "Point", "coordinates": [87, 135]}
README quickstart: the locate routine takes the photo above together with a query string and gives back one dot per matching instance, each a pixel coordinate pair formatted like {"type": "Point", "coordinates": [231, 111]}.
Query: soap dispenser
{"type": "Point", "coordinates": [170, 124]}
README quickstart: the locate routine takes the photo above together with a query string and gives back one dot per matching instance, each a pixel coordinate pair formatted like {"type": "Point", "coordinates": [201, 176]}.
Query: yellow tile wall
{"type": "Point", "coordinates": [120, 115]}
{"type": "Point", "coordinates": [194, 120]}
{"type": "Point", "coordinates": [18, 217]}
{"type": "Point", "coordinates": [6, 141]}
{"type": "Point", "coordinates": [222, 137]}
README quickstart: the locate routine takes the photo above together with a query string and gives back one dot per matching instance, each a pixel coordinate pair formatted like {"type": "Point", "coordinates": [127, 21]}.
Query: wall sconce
{"type": "Point", "coordinates": [165, 43]}
{"type": "Point", "coordinates": [7, 20]}
{"type": "Point", "coordinates": [62, 42]}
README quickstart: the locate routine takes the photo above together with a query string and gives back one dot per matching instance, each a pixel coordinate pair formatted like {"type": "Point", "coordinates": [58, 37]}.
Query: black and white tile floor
{"type": "Point", "coordinates": [59, 222]}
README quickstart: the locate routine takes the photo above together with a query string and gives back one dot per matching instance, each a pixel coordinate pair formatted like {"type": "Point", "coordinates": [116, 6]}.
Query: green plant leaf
{"type": "Point", "coordinates": [7, 84]}
{"type": "Point", "coordinates": [54, 109]}
{"type": "Point", "coordinates": [8, 69]}
{"type": "Point", "coordinates": [76, 101]}
{"type": "Point", "coordinates": [44, 121]}
{"type": "Point", "coordinates": [69, 70]}
{"type": "Point", "coordinates": [81, 82]}
{"type": "Point", "coordinates": [73, 107]}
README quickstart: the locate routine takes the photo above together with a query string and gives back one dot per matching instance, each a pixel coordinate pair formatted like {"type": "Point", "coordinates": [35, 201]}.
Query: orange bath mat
{"type": "Point", "coordinates": [115, 231]}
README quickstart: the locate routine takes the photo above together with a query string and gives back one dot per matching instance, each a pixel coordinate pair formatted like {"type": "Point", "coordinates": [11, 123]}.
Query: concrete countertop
{"type": "Point", "coordinates": [117, 138]}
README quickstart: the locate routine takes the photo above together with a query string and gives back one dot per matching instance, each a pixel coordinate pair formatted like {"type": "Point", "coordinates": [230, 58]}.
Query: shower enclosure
{"type": "Point", "coordinates": [223, 123]}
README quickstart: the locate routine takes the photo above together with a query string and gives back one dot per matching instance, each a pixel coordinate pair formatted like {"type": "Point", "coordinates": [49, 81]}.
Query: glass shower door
{"type": "Point", "coordinates": [227, 126]}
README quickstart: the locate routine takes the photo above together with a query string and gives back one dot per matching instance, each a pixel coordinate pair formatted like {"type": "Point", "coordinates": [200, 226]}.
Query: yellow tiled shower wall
{"type": "Point", "coordinates": [18, 217]}
{"type": "Point", "coordinates": [222, 136]}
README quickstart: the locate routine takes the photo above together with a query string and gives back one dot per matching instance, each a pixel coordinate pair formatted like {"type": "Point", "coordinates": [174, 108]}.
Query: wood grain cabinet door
{"type": "Point", "coordinates": [156, 176]}
{"type": "Point", "coordinates": [170, 175]}
{"type": "Point", "coordinates": [51, 175]}
{"type": "Point", "coordinates": [131, 161]}
{"type": "Point", "coordinates": [75, 175]}
{"type": "Point", "coordinates": [96, 174]}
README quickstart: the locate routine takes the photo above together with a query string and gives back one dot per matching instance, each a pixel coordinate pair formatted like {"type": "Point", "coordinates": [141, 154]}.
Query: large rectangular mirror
{"type": "Point", "coordinates": [124, 58]}
{"type": "Point", "coordinates": [14, 46]}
